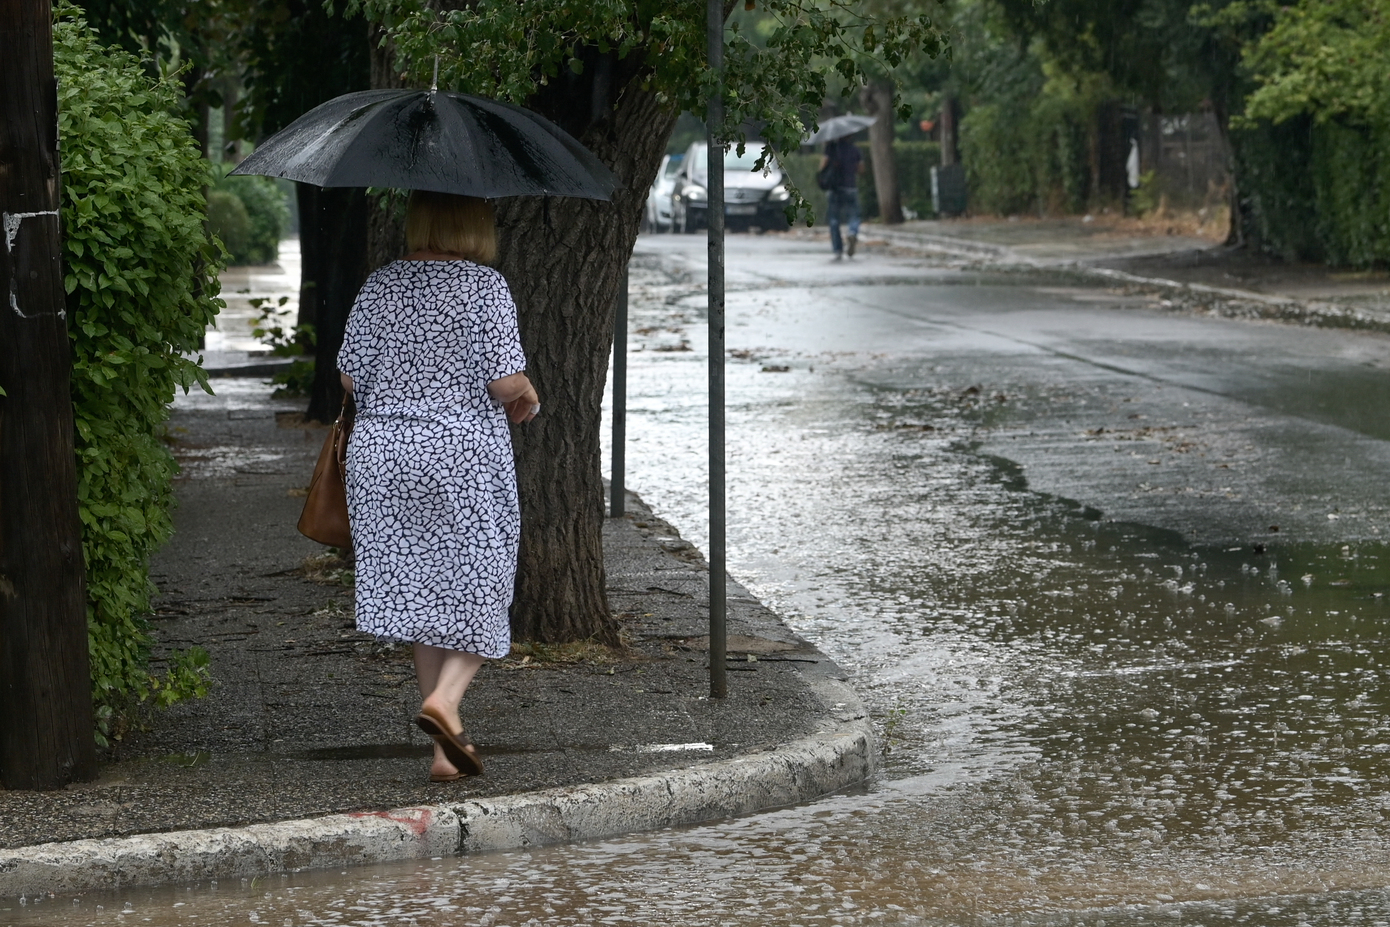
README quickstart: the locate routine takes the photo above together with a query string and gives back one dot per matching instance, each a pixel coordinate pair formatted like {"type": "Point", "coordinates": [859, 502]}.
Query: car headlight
{"type": "Point", "coordinates": [780, 192]}
{"type": "Point", "coordinates": [696, 193]}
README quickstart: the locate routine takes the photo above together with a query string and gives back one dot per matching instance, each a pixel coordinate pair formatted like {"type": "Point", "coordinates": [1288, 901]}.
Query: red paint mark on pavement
{"type": "Point", "coordinates": [418, 821]}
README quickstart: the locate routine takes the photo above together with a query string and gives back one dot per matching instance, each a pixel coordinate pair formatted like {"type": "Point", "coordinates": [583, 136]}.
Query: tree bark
{"type": "Point", "coordinates": [386, 211]}
{"type": "Point", "coordinates": [564, 260]}
{"type": "Point", "coordinates": [877, 99]}
{"type": "Point", "coordinates": [306, 201]}
{"type": "Point", "coordinates": [343, 236]}
{"type": "Point", "coordinates": [46, 723]}
{"type": "Point", "coordinates": [950, 144]}
{"type": "Point", "coordinates": [1236, 230]}
{"type": "Point", "coordinates": [334, 267]}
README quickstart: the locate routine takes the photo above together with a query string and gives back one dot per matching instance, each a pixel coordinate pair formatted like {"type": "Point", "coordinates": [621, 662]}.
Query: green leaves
{"type": "Point", "coordinates": [1325, 58]}
{"type": "Point", "coordinates": [511, 49]}
{"type": "Point", "coordinates": [142, 287]}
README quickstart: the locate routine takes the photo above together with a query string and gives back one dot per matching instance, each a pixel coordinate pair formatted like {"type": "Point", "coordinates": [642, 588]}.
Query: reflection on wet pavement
{"type": "Point", "coordinates": [1084, 721]}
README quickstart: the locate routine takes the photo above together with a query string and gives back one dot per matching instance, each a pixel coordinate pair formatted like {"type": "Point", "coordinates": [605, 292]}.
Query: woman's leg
{"type": "Point", "coordinates": [443, 676]}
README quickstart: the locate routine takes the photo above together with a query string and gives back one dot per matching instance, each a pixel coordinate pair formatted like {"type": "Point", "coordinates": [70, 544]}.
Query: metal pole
{"type": "Point", "coordinates": [718, 681]}
{"type": "Point", "coordinates": [617, 484]}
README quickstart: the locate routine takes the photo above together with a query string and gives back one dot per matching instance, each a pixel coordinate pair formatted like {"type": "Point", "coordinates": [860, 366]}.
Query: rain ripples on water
{"type": "Point", "coordinates": [1083, 722]}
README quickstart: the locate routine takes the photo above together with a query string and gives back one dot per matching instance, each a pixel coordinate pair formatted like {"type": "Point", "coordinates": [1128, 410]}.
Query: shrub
{"type": "Point", "coordinates": [1146, 197]}
{"type": "Point", "coordinates": [267, 214]}
{"type": "Point", "coordinates": [230, 223]}
{"type": "Point", "coordinates": [141, 288]}
{"type": "Point", "coordinates": [1315, 192]}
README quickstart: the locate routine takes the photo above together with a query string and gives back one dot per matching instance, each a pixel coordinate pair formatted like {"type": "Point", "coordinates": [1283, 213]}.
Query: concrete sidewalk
{"type": "Point", "coordinates": [305, 754]}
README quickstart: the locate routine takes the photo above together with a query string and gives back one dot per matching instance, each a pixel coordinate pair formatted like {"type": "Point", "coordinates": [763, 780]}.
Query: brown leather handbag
{"type": "Point", "coordinates": [325, 515]}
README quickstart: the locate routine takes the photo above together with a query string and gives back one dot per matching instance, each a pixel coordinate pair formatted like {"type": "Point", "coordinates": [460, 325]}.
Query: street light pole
{"type": "Point", "coordinates": [718, 681]}
{"type": "Point", "coordinates": [46, 729]}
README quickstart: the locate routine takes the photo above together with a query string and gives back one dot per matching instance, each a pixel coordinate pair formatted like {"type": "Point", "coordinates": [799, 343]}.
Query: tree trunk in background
{"type": "Point", "coordinates": [306, 203]}
{"type": "Point", "coordinates": [1112, 151]}
{"type": "Point", "coordinates": [1235, 233]}
{"type": "Point", "coordinates": [201, 112]}
{"type": "Point", "coordinates": [231, 146]}
{"type": "Point", "coordinates": [564, 260]}
{"type": "Point", "coordinates": [950, 143]}
{"type": "Point", "coordinates": [333, 221]}
{"type": "Point", "coordinates": [386, 211]}
{"type": "Point", "coordinates": [46, 719]}
{"type": "Point", "coordinates": [877, 99]}
{"type": "Point", "coordinates": [1151, 141]}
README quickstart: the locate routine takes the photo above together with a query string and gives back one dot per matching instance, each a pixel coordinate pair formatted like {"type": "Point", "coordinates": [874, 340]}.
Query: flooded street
{"type": "Point", "coordinates": [1110, 579]}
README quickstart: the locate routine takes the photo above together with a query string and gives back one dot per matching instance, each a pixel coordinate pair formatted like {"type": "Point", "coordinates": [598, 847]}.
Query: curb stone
{"type": "Point", "coordinates": [842, 754]}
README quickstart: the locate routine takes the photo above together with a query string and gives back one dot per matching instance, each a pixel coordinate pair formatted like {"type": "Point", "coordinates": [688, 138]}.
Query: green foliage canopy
{"type": "Point", "coordinates": [1323, 58]}
{"type": "Point", "coordinates": [141, 288]}
{"type": "Point", "coordinates": [510, 50]}
{"type": "Point", "coordinates": [293, 56]}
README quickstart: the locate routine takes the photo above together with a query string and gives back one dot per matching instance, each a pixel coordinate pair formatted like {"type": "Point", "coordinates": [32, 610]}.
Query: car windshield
{"type": "Point", "coordinates": [732, 160]}
{"type": "Point", "coordinates": [673, 166]}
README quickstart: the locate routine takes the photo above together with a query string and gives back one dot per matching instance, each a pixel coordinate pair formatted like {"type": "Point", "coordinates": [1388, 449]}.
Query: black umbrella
{"type": "Point", "coordinates": [431, 140]}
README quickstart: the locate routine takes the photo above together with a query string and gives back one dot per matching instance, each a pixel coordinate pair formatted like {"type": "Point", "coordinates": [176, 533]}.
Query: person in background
{"type": "Point", "coordinates": [432, 355]}
{"type": "Point", "coordinates": [843, 193]}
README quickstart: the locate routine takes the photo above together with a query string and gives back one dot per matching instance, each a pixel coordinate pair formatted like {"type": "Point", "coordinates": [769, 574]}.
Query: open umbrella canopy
{"type": "Point", "coordinates": [838, 127]}
{"type": "Point", "coordinates": [431, 140]}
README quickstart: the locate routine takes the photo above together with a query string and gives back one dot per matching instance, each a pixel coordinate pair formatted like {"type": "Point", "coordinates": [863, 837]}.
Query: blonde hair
{"type": "Point", "coordinates": [451, 224]}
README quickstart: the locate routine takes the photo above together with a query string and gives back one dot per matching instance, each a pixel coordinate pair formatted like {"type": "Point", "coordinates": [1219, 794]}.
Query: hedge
{"type": "Point", "coordinates": [141, 282]}
{"type": "Point", "coordinates": [267, 216]}
{"type": "Point", "coordinates": [1315, 192]}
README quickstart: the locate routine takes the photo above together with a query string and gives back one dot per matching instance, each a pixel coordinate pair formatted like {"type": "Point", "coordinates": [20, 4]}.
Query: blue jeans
{"type": "Point", "coordinates": [843, 200]}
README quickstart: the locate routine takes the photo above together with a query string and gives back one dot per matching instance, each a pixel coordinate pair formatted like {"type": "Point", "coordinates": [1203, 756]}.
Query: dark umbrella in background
{"type": "Point", "coordinates": [431, 140]}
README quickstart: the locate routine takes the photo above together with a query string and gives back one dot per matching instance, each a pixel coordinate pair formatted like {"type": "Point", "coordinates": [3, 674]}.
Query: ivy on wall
{"type": "Point", "coordinates": [141, 282]}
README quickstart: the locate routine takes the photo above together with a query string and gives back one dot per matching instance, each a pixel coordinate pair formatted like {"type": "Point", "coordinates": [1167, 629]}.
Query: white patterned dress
{"type": "Point", "coordinates": [431, 483]}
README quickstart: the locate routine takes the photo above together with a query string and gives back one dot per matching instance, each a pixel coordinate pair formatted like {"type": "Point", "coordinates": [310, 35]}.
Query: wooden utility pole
{"type": "Point", "coordinates": [45, 686]}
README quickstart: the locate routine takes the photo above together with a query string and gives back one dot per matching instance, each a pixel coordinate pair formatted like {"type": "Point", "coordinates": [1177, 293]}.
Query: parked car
{"type": "Point", "coordinates": [751, 197]}
{"type": "Point", "coordinates": [658, 214]}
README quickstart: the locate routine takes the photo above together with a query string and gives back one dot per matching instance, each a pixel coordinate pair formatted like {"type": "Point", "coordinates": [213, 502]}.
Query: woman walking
{"type": "Point", "coordinates": [433, 358]}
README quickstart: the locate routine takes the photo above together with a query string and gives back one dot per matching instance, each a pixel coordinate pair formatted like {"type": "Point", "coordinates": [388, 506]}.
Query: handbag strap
{"type": "Point", "coordinates": [342, 428]}
{"type": "Point", "coordinates": [348, 411]}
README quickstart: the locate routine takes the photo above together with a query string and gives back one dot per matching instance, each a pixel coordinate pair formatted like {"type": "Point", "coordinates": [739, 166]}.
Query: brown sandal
{"type": "Point", "coordinates": [458, 749]}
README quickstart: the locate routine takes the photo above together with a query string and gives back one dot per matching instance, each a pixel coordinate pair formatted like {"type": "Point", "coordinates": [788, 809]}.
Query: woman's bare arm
{"type": "Point", "coordinates": [518, 395]}
{"type": "Point", "coordinates": [346, 381]}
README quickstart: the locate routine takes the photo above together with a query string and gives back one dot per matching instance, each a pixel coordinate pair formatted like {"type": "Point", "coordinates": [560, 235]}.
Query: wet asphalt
{"type": "Point", "coordinates": [1034, 518]}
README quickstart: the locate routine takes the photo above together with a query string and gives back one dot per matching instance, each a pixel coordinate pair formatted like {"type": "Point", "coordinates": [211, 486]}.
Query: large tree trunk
{"type": "Point", "coordinates": [564, 260]}
{"type": "Point", "coordinates": [45, 682]}
{"type": "Point", "coordinates": [877, 99]}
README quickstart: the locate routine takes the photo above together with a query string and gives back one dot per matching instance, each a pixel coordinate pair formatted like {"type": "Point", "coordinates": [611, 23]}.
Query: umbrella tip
{"type": "Point", "coordinates": [434, 84]}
